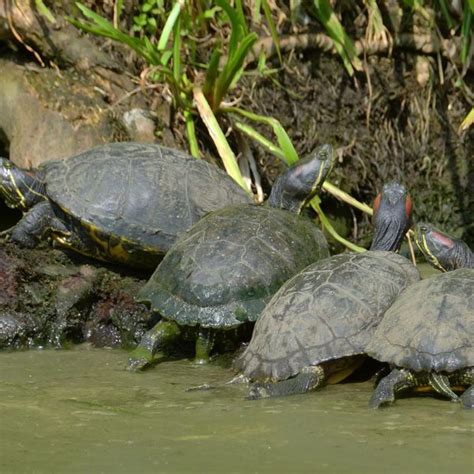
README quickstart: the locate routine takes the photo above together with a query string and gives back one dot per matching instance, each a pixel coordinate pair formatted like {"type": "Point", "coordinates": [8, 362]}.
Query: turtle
{"type": "Point", "coordinates": [315, 328]}
{"type": "Point", "coordinates": [121, 202]}
{"type": "Point", "coordinates": [427, 334]}
{"type": "Point", "coordinates": [221, 272]}
{"type": "Point", "coordinates": [441, 250]}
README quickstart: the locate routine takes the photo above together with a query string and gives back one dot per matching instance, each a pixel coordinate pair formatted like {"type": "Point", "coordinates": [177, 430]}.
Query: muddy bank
{"type": "Point", "coordinates": [49, 298]}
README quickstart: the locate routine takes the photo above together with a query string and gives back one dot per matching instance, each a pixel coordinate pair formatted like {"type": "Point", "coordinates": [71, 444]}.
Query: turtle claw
{"type": "Point", "coordinates": [136, 365]}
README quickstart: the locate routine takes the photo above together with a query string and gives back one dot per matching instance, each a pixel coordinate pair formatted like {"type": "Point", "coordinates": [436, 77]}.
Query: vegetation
{"type": "Point", "coordinates": [200, 51]}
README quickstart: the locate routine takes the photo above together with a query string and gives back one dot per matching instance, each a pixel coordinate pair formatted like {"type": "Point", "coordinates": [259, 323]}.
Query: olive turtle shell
{"type": "Point", "coordinates": [430, 327]}
{"type": "Point", "coordinates": [145, 193]}
{"type": "Point", "coordinates": [225, 269]}
{"type": "Point", "coordinates": [326, 312]}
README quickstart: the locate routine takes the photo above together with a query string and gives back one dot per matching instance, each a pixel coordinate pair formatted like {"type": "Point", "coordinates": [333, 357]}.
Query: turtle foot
{"type": "Point", "coordinates": [385, 392]}
{"type": "Point", "coordinates": [139, 360]}
{"type": "Point", "coordinates": [259, 390]}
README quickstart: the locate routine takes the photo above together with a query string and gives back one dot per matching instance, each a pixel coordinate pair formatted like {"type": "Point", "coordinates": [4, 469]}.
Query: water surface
{"type": "Point", "coordinates": [80, 411]}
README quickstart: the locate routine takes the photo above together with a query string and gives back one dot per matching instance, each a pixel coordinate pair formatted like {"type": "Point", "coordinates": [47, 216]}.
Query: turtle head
{"type": "Point", "coordinates": [300, 183]}
{"type": "Point", "coordinates": [20, 189]}
{"type": "Point", "coordinates": [441, 250]}
{"type": "Point", "coordinates": [392, 211]}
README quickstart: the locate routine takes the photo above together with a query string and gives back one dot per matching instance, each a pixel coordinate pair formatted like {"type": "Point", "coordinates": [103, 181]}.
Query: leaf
{"type": "Point", "coordinates": [468, 121]}
{"type": "Point", "coordinates": [288, 152]}
{"type": "Point", "coordinates": [168, 28]}
{"type": "Point", "coordinates": [342, 42]}
{"type": "Point", "coordinates": [218, 137]}
{"type": "Point", "coordinates": [276, 40]}
{"type": "Point", "coordinates": [232, 67]}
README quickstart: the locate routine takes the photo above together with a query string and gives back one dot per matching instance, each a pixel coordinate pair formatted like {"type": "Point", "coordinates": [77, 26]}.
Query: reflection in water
{"type": "Point", "coordinates": [80, 411]}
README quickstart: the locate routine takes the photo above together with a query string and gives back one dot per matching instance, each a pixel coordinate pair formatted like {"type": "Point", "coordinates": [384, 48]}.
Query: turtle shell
{"type": "Point", "coordinates": [225, 269]}
{"type": "Point", "coordinates": [326, 312]}
{"type": "Point", "coordinates": [430, 327]}
{"type": "Point", "coordinates": [143, 193]}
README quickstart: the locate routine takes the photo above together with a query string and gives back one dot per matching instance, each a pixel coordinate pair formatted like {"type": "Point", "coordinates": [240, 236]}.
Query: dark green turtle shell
{"type": "Point", "coordinates": [146, 194]}
{"type": "Point", "coordinates": [430, 327]}
{"type": "Point", "coordinates": [326, 312]}
{"type": "Point", "coordinates": [225, 269]}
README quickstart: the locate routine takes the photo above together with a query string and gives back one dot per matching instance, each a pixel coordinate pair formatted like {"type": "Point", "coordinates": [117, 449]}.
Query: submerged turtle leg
{"type": "Point", "coordinates": [204, 343]}
{"type": "Point", "coordinates": [310, 378]}
{"type": "Point", "coordinates": [395, 381]}
{"type": "Point", "coordinates": [36, 223]}
{"type": "Point", "coordinates": [440, 383]}
{"type": "Point", "coordinates": [467, 398]}
{"type": "Point", "coordinates": [161, 334]}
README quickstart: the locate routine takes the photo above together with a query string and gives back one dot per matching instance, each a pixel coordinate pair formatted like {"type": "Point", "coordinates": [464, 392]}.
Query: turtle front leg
{"type": "Point", "coordinates": [37, 223]}
{"type": "Point", "coordinates": [310, 378]}
{"type": "Point", "coordinates": [385, 392]}
{"type": "Point", "coordinates": [161, 334]}
{"type": "Point", "coordinates": [204, 344]}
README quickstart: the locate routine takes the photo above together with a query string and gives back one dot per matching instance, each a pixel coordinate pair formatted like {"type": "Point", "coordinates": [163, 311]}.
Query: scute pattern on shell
{"type": "Point", "coordinates": [145, 193]}
{"type": "Point", "coordinates": [228, 265]}
{"type": "Point", "coordinates": [327, 311]}
{"type": "Point", "coordinates": [431, 325]}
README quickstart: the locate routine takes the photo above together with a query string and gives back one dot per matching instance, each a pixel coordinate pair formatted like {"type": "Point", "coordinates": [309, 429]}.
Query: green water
{"type": "Point", "coordinates": [80, 411]}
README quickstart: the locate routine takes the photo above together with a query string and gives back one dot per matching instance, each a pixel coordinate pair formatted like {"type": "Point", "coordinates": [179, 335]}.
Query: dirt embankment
{"type": "Point", "coordinates": [397, 119]}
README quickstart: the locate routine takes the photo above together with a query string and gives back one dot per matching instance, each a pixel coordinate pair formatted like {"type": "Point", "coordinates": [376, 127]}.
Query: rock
{"type": "Point", "coordinates": [44, 116]}
{"type": "Point", "coordinates": [139, 125]}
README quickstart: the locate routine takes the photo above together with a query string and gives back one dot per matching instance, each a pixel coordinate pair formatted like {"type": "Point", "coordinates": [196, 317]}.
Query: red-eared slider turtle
{"type": "Point", "coordinates": [224, 270]}
{"type": "Point", "coordinates": [121, 202]}
{"type": "Point", "coordinates": [315, 328]}
{"type": "Point", "coordinates": [441, 250]}
{"type": "Point", "coordinates": [428, 333]}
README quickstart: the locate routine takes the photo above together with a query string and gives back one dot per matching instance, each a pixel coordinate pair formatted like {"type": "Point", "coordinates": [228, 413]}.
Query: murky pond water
{"type": "Point", "coordinates": [80, 411]}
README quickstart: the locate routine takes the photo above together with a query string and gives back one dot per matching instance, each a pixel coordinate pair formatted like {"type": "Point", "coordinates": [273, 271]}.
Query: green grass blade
{"type": "Point", "coordinates": [273, 31]}
{"type": "Point", "coordinates": [347, 198]}
{"type": "Point", "coordinates": [257, 4]}
{"type": "Point", "coordinates": [237, 28]}
{"type": "Point", "coordinates": [191, 133]}
{"type": "Point", "coordinates": [260, 139]}
{"type": "Point", "coordinates": [101, 27]}
{"type": "Point", "coordinates": [241, 17]}
{"type": "Point", "coordinates": [468, 121]}
{"type": "Point", "coordinates": [44, 11]}
{"type": "Point", "coordinates": [218, 137]}
{"type": "Point", "coordinates": [169, 25]}
{"type": "Point", "coordinates": [445, 12]}
{"type": "Point", "coordinates": [342, 42]}
{"type": "Point", "coordinates": [466, 32]}
{"type": "Point", "coordinates": [288, 150]}
{"type": "Point", "coordinates": [177, 51]}
{"type": "Point", "coordinates": [232, 67]}
{"type": "Point", "coordinates": [212, 72]}
{"type": "Point", "coordinates": [315, 204]}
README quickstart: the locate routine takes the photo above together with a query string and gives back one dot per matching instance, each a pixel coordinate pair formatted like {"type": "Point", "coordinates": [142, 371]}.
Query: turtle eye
{"type": "Point", "coordinates": [423, 228]}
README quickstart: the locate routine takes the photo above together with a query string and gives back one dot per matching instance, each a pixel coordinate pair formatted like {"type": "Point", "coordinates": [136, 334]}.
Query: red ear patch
{"type": "Point", "coordinates": [408, 206]}
{"type": "Point", "coordinates": [446, 241]}
{"type": "Point", "coordinates": [376, 204]}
